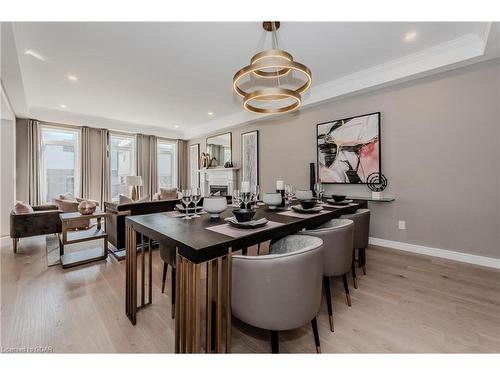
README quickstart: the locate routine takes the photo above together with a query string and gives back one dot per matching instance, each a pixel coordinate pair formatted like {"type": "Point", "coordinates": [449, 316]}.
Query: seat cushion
{"type": "Point", "coordinates": [23, 208]}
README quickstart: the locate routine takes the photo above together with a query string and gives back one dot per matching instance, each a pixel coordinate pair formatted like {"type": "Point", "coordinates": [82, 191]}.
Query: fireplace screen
{"type": "Point", "coordinates": [218, 190]}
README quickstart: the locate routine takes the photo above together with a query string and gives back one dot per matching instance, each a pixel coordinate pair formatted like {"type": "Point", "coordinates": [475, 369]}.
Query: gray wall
{"type": "Point", "coordinates": [440, 139]}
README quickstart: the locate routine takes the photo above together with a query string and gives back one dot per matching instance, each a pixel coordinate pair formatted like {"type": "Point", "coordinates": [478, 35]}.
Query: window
{"type": "Point", "coordinates": [167, 163]}
{"type": "Point", "coordinates": [122, 159]}
{"type": "Point", "coordinates": [60, 161]}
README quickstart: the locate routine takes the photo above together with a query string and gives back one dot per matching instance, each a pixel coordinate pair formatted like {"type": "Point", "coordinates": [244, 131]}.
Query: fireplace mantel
{"type": "Point", "coordinates": [218, 177]}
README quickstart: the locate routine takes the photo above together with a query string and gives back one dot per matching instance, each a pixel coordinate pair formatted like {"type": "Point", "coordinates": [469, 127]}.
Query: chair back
{"type": "Point", "coordinates": [281, 290]}
{"type": "Point", "coordinates": [338, 240]}
{"type": "Point", "coordinates": [361, 220]}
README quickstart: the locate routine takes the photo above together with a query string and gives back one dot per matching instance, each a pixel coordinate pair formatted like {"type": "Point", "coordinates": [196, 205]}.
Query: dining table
{"type": "Point", "coordinates": [208, 244]}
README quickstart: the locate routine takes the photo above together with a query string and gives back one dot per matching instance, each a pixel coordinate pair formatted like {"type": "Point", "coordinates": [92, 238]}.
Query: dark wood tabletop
{"type": "Point", "coordinates": [198, 244]}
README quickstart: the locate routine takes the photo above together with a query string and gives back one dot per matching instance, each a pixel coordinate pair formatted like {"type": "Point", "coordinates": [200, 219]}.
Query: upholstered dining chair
{"type": "Point", "coordinates": [338, 238]}
{"type": "Point", "coordinates": [282, 290]}
{"type": "Point", "coordinates": [361, 220]}
{"type": "Point", "coordinates": [167, 255]}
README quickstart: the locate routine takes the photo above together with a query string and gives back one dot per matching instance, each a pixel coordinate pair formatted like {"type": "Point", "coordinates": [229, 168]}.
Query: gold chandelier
{"type": "Point", "coordinates": [277, 67]}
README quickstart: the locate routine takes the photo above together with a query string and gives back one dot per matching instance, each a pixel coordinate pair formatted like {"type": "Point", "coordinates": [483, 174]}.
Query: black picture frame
{"type": "Point", "coordinates": [256, 132]}
{"type": "Point", "coordinates": [346, 119]}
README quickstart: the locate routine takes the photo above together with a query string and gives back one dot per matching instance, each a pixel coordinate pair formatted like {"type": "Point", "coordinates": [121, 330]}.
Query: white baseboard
{"type": "Point", "coordinates": [435, 252]}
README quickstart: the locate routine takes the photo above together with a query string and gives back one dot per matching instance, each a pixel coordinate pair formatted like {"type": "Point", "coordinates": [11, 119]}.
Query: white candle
{"type": "Point", "coordinates": [245, 186]}
{"type": "Point", "coordinates": [280, 185]}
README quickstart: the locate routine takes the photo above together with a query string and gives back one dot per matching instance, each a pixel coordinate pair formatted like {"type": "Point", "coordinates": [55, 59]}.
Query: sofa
{"type": "Point", "coordinates": [43, 220]}
{"type": "Point", "coordinates": [115, 221]}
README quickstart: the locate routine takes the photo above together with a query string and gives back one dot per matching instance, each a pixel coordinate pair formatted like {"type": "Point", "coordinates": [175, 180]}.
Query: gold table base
{"type": "Point", "coordinates": [188, 306]}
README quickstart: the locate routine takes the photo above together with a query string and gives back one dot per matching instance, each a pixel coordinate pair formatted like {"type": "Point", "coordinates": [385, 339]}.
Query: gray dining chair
{"type": "Point", "coordinates": [338, 239]}
{"type": "Point", "coordinates": [361, 220]}
{"type": "Point", "coordinates": [167, 254]}
{"type": "Point", "coordinates": [282, 290]}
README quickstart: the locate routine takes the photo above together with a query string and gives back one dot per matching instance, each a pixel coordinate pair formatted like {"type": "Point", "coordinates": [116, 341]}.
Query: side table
{"type": "Point", "coordinates": [68, 236]}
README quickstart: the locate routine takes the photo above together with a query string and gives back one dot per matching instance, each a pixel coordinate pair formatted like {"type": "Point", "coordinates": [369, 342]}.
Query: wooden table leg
{"type": "Point", "coordinates": [208, 328]}
{"type": "Point", "coordinates": [131, 274]}
{"type": "Point", "coordinates": [178, 302]}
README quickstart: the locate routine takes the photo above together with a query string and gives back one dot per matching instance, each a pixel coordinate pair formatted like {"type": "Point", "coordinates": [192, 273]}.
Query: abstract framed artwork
{"type": "Point", "coordinates": [194, 164]}
{"type": "Point", "coordinates": [348, 150]}
{"type": "Point", "coordinates": [250, 157]}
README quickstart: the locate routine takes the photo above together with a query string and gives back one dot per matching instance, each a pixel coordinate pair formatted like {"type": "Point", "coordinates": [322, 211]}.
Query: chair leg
{"type": "Point", "coordinates": [362, 263]}
{"type": "Point", "coordinates": [164, 276]}
{"type": "Point", "coordinates": [314, 325]}
{"type": "Point", "coordinates": [326, 282]}
{"type": "Point", "coordinates": [15, 241]}
{"type": "Point", "coordinates": [244, 251]}
{"type": "Point", "coordinates": [346, 288]}
{"type": "Point", "coordinates": [275, 344]}
{"type": "Point", "coordinates": [353, 269]}
{"type": "Point", "coordinates": [173, 292]}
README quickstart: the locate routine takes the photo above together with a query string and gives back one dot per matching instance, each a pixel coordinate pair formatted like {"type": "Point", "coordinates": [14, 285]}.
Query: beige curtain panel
{"type": "Point", "coordinates": [147, 164]}
{"type": "Point", "coordinates": [33, 170]}
{"type": "Point", "coordinates": [182, 157]}
{"type": "Point", "coordinates": [95, 164]}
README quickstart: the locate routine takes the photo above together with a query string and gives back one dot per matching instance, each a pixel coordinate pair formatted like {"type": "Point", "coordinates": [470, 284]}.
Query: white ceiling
{"type": "Point", "coordinates": [162, 75]}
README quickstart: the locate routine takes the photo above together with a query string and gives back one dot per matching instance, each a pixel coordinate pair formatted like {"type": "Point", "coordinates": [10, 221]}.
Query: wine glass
{"type": "Point", "coordinates": [236, 198]}
{"type": "Point", "coordinates": [289, 193]}
{"type": "Point", "coordinates": [195, 198]}
{"type": "Point", "coordinates": [186, 199]}
{"type": "Point", "coordinates": [255, 190]}
{"type": "Point", "coordinates": [318, 189]}
{"type": "Point", "coordinates": [246, 197]}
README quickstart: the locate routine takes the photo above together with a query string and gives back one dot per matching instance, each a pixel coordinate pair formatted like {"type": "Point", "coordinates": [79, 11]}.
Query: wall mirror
{"type": "Point", "coordinates": [219, 147]}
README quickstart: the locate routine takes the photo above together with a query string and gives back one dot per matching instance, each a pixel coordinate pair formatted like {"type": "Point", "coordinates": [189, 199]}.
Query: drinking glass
{"type": "Point", "coordinates": [195, 198]}
{"type": "Point", "coordinates": [186, 199]}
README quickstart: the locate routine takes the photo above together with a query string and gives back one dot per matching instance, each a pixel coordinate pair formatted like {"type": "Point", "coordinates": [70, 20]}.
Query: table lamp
{"type": "Point", "coordinates": [134, 181]}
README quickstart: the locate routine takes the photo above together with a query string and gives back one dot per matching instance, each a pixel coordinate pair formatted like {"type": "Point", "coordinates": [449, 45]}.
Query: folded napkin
{"type": "Point", "coordinates": [252, 223]}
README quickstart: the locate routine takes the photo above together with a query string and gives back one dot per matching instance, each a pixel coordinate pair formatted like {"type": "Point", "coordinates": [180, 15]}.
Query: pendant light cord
{"type": "Point", "coordinates": [275, 46]}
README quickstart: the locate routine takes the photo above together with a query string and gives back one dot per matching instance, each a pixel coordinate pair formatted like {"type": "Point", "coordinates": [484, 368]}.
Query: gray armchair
{"type": "Point", "coordinates": [361, 220]}
{"type": "Point", "coordinates": [44, 220]}
{"type": "Point", "coordinates": [282, 290]}
{"type": "Point", "coordinates": [337, 236]}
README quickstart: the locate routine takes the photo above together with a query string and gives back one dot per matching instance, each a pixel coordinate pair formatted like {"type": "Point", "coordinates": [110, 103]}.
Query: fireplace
{"type": "Point", "coordinates": [219, 190]}
{"type": "Point", "coordinates": [223, 180]}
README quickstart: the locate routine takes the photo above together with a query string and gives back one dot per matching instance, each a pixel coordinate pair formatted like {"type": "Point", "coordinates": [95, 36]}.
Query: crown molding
{"type": "Point", "coordinates": [445, 56]}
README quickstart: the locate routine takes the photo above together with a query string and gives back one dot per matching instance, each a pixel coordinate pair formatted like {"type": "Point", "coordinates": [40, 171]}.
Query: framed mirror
{"type": "Point", "coordinates": [219, 147]}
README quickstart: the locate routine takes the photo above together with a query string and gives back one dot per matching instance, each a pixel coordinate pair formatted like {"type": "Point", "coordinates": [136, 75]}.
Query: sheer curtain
{"type": "Point", "coordinates": [33, 170]}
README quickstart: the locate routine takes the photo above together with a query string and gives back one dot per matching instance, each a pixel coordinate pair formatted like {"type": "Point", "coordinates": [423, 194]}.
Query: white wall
{"type": "Point", "coordinates": [7, 163]}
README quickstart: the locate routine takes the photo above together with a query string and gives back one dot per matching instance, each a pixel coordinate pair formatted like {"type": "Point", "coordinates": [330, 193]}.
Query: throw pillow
{"type": "Point", "coordinates": [23, 208]}
{"type": "Point", "coordinates": [168, 193]}
{"type": "Point", "coordinates": [123, 199]}
{"type": "Point", "coordinates": [67, 197]}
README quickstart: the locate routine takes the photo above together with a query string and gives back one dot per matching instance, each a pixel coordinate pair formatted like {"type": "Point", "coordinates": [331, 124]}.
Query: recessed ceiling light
{"type": "Point", "coordinates": [176, 126]}
{"type": "Point", "coordinates": [210, 113]}
{"type": "Point", "coordinates": [72, 78]}
{"type": "Point", "coordinates": [63, 106]}
{"type": "Point", "coordinates": [32, 53]}
{"type": "Point", "coordinates": [411, 36]}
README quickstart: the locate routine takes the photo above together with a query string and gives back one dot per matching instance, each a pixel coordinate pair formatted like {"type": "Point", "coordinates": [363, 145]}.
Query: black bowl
{"type": "Point", "coordinates": [338, 198]}
{"type": "Point", "coordinates": [307, 203]}
{"type": "Point", "coordinates": [243, 215]}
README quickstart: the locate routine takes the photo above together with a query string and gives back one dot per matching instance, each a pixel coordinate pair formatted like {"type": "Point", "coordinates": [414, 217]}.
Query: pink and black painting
{"type": "Point", "coordinates": [349, 149]}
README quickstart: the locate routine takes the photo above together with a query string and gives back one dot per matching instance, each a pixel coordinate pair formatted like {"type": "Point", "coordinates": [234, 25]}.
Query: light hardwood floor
{"type": "Point", "coordinates": [406, 303]}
